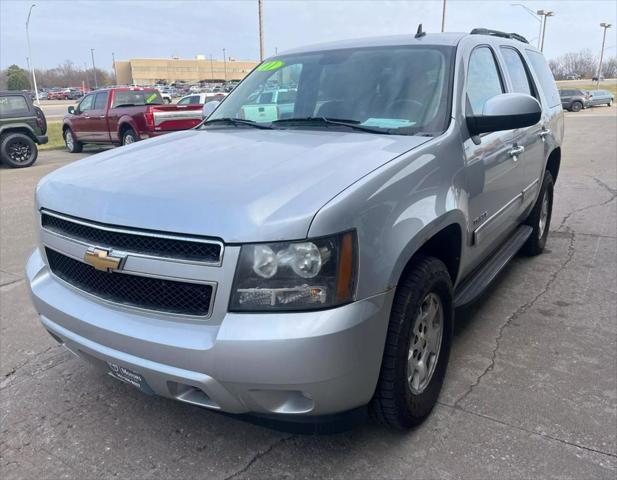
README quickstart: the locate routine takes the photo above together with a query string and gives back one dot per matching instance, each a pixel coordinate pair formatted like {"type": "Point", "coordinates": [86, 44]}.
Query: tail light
{"type": "Point", "coordinates": [149, 116]}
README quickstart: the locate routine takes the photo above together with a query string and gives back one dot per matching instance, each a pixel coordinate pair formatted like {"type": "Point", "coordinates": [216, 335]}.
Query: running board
{"type": "Point", "coordinates": [472, 287]}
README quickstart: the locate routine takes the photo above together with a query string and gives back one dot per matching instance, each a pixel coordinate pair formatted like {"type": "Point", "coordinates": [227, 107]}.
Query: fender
{"type": "Point", "coordinates": [122, 122]}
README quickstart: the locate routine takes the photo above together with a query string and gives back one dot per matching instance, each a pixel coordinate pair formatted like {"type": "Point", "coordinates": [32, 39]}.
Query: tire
{"type": "Point", "coordinates": [398, 402]}
{"type": "Point", "coordinates": [72, 145]}
{"type": "Point", "coordinates": [540, 218]}
{"type": "Point", "coordinates": [18, 150]}
{"type": "Point", "coordinates": [41, 119]}
{"type": "Point", "coordinates": [576, 106]}
{"type": "Point", "coordinates": [129, 136]}
{"type": "Point", "coordinates": [610, 103]}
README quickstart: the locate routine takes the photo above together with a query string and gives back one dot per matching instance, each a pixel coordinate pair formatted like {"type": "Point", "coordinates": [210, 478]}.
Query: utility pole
{"type": "Point", "coordinates": [225, 64]}
{"type": "Point", "coordinates": [113, 64]}
{"type": "Point", "coordinates": [545, 14]}
{"type": "Point", "coordinates": [533, 14]}
{"type": "Point", "coordinates": [30, 61]}
{"type": "Point", "coordinates": [260, 8]}
{"type": "Point", "coordinates": [443, 17]}
{"type": "Point", "coordinates": [96, 83]}
{"type": "Point", "coordinates": [605, 26]}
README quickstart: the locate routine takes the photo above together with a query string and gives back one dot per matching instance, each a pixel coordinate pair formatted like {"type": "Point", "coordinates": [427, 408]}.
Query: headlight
{"type": "Point", "coordinates": [306, 275]}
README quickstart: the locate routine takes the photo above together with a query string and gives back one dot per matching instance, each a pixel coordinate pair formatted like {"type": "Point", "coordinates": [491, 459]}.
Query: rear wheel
{"type": "Point", "coordinates": [576, 106]}
{"type": "Point", "coordinates": [18, 150]}
{"type": "Point", "coordinates": [540, 218]}
{"type": "Point", "coordinates": [129, 137]}
{"type": "Point", "coordinates": [72, 145]}
{"type": "Point", "coordinates": [417, 346]}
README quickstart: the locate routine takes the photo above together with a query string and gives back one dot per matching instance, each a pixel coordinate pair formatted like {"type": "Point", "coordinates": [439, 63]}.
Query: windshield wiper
{"type": "Point", "coordinates": [354, 124]}
{"type": "Point", "coordinates": [236, 122]}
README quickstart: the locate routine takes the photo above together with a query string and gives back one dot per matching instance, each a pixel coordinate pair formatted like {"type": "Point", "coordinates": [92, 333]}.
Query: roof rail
{"type": "Point", "coordinates": [497, 33]}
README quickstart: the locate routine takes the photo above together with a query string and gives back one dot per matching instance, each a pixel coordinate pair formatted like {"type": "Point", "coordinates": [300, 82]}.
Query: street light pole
{"type": "Point", "coordinates": [30, 61]}
{"type": "Point", "coordinates": [260, 8]}
{"type": "Point", "coordinates": [225, 65]}
{"type": "Point", "coordinates": [96, 83]}
{"type": "Point", "coordinates": [211, 69]}
{"type": "Point", "coordinates": [113, 63]}
{"type": "Point", "coordinates": [443, 17]}
{"type": "Point", "coordinates": [605, 26]}
{"type": "Point", "coordinates": [545, 14]}
{"type": "Point", "coordinates": [533, 14]}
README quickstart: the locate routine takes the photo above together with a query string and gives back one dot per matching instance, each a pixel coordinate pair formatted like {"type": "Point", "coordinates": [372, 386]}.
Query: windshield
{"type": "Point", "coordinates": [137, 97]}
{"type": "Point", "coordinates": [401, 90]}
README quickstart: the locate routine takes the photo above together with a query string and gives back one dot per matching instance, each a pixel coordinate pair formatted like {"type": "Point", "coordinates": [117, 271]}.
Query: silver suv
{"type": "Point", "coordinates": [306, 258]}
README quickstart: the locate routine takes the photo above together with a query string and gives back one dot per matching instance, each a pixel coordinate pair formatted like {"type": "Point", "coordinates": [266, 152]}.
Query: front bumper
{"type": "Point", "coordinates": [310, 363]}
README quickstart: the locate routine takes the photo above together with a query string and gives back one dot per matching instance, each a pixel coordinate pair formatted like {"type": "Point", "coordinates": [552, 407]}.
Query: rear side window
{"type": "Point", "coordinates": [100, 101]}
{"type": "Point", "coordinates": [483, 79]}
{"type": "Point", "coordinates": [547, 81]}
{"type": "Point", "coordinates": [521, 83]}
{"type": "Point", "coordinates": [13, 105]}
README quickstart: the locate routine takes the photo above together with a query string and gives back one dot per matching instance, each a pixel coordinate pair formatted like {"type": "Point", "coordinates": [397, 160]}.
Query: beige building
{"type": "Point", "coordinates": [150, 71]}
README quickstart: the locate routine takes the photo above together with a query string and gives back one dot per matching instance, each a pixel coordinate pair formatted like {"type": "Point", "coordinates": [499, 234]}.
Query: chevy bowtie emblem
{"type": "Point", "coordinates": [102, 260]}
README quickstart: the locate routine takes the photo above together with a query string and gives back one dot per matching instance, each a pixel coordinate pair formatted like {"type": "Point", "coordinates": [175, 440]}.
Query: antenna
{"type": "Point", "coordinates": [419, 33]}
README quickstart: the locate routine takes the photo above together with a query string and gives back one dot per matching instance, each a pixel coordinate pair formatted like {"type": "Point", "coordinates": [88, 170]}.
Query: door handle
{"type": "Point", "coordinates": [544, 132]}
{"type": "Point", "coordinates": [516, 151]}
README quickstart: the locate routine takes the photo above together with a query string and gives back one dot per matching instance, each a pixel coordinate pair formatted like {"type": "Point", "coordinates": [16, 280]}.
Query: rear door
{"type": "Point", "coordinates": [530, 139]}
{"type": "Point", "coordinates": [98, 118]}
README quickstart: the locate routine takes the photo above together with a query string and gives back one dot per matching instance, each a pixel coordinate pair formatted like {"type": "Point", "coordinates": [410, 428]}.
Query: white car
{"type": "Point", "coordinates": [201, 98]}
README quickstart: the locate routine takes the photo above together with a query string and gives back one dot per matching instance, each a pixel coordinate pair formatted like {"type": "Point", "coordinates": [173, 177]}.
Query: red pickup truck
{"type": "Point", "coordinates": [124, 115]}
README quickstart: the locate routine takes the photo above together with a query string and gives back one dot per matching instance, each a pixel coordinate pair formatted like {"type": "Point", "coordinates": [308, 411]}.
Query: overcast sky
{"type": "Point", "coordinates": [61, 30]}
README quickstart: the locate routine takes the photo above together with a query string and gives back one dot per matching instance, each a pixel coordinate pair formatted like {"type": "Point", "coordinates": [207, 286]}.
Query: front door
{"type": "Point", "coordinates": [493, 170]}
{"type": "Point", "coordinates": [98, 119]}
{"type": "Point", "coordinates": [81, 118]}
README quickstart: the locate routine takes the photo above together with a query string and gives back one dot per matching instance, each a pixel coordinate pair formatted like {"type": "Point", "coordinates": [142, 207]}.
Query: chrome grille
{"type": "Point", "coordinates": [170, 246]}
{"type": "Point", "coordinates": [149, 293]}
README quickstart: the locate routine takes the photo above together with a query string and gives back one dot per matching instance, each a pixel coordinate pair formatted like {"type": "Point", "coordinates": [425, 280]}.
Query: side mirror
{"type": "Point", "coordinates": [505, 112]}
{"type": "Point", "coordinates": [209, 107]}
{"type": "Point", "coordinates": [71, 110]}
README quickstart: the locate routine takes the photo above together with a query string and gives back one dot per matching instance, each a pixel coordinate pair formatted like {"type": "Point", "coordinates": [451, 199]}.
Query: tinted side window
{"type": "Point", "coordinates": [101, 101]}
{"type": "Point", "coordinates": [13, 105]}
{"type": "Point", "coordinates": [86, 103]}
{"type": "Point", "coordinates": [547, 82]}
{"type": "Point", "coordinates": [521, 82]}
{"type": "Point", "coordinates": [483, 79]}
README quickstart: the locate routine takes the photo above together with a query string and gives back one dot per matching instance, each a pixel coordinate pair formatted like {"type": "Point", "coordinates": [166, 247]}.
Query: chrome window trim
{"type": "Point", "coordinates": [134, 232]}
{"type": "Point", "coordinates": [121, 306]}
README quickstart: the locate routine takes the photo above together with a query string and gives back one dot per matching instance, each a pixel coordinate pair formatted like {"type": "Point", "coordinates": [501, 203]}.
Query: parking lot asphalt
{"type": "Point", "coordinates": [531, 390]}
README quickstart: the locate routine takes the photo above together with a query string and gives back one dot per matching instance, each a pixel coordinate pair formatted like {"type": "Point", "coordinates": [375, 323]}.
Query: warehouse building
{"type": "Point", "coordinates": [151, 71]}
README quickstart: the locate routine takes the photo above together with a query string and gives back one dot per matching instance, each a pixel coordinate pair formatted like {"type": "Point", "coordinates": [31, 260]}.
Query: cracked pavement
{"type": "Point", "coordinates": [531, 389]}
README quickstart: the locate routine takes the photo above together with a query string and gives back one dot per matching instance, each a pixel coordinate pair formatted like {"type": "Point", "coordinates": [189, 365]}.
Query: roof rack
{"type": "Point", "coordinates": [497, 33]}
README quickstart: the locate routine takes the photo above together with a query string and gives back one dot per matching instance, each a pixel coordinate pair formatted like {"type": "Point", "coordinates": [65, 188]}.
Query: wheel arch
{"type": "Point", "coordinates": [443, 239]}
{"type": "Point", "coordinates": [23, 129]}
{"type": "Point", "coordinates": [553, 162]}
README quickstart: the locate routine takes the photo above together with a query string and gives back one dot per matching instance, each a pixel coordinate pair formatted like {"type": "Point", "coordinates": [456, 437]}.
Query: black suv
{"type": "Point", "coordinates": [22, 127]}
{"type": "Point", "coordinates": [574, 99]}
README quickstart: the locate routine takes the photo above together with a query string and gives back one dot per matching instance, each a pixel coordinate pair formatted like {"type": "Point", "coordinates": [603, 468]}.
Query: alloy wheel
{"type": "Point", "coordinates": [425, 344]}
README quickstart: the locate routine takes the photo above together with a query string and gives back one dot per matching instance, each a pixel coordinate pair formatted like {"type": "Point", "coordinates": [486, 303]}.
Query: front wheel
{"type": "Point", "coordinates": [129, 137]}
{"type": "Point", "coordinates": [18, 150]}
{"type": "Point", "coordinates": [417, 346]}
{"type": "Point", "coordinates": [540, 218]}
{"type": "Point", "coordinates": [576, 107]}
{"type": "Point", "coordinates": [71, 143]}
{"type": "Point", "coordinates": [610, 103]}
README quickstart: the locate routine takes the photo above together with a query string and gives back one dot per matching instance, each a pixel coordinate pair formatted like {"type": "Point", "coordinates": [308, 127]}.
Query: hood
{"type": "Point", "coordinates": [238, 184]}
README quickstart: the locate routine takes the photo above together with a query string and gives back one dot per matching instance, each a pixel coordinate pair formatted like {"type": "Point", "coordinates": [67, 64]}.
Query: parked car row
{"type": "Point", "coordinates": [575, 99]}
